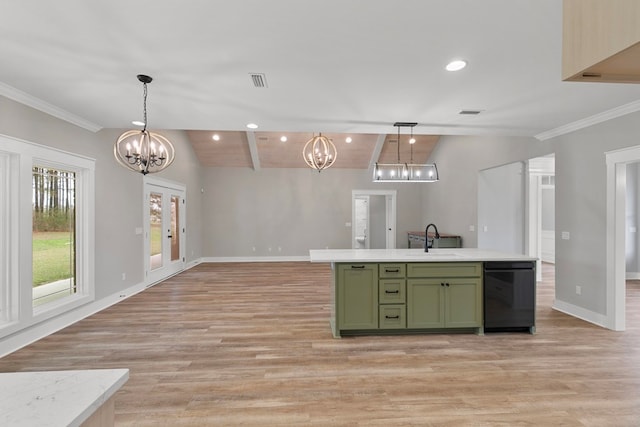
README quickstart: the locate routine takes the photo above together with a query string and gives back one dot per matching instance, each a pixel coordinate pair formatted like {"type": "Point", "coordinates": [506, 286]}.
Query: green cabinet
{"type": "Point", "coordinates": [444, 295]}
{"type": "Point", "coordinates": [357, 296]}
{"type": "Point", "coordinates": [403, 297]}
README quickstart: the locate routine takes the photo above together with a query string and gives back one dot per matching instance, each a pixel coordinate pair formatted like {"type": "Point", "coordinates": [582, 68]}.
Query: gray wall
{"type": "Point", "coordinates": [501, 208]}
{"type": "Point", "coordinates": [580, 196]}
{"type": "Point", "coordinates": [290, 210]}
{"type": "Point", "coordinates": [452, 202]}
{"type": "Point", "coordinates": [118, 201]}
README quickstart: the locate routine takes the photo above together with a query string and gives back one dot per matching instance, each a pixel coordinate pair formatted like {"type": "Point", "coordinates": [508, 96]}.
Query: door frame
{"type": "Point", "coordinates": [617, 161]}
{"type": "Point", "coordinates": [150, 279]}
{"type": "Point", "coordinates": [390, 213]}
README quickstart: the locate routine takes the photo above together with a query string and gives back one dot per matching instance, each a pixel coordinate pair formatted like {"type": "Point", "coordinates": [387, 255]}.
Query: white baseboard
{"type": "Point", "coordinates": [631, 275]}
{"type": "Point", "coordinates": [256, 259]}
{"type": "Point", "coordinates": [581, 313]}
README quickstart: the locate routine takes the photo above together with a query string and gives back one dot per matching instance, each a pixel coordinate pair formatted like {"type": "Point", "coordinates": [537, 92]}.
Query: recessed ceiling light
{"type": "Point", "coordinates": [216, 137]}
{"type": "Point", "coordinates": [348, 140]}
{"type": "Point", "coordinates": [252, 126]}
{"type": "Point", "coordinates": [456, 65]}
{"type": "Point", "coordinates": [283, 138]}
{"type": "Point", "coordinates": [137, 123]}
{"type": "Point", "coordinates": [412, 141]}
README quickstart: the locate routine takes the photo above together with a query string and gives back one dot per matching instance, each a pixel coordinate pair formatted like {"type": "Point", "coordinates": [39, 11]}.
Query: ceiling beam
{"type": "Point", "coordinates": [376, 151]}
{"type": "Point", "coordinates": [253, 149]}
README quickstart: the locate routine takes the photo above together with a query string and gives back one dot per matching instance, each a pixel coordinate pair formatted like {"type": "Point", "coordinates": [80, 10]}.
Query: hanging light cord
{"type": "Point", "coordinates": [411, 144]}
{"type": "Point", "coordinates": [398, 144]}
{"type": "Point", "coordinates": [144, 103]}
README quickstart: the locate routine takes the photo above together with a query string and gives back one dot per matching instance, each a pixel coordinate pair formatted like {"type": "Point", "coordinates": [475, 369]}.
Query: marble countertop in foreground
{"type": "Point", "coordinates": [56, 398]}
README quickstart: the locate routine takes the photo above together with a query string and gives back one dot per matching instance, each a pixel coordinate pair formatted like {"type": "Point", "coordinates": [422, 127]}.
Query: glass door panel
{"type": "Point", "coordinates": [155, 230]}
{"type": "Point", "coordinates": [174, 233]}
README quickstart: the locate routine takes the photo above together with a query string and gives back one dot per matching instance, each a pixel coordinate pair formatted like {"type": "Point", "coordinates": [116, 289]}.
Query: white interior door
{"type": "Point", "coordinates": [164, 230]}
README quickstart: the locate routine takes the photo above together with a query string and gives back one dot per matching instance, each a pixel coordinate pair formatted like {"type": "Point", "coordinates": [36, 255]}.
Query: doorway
{"type": "Point", "coordinates": [373, 219]}
{"type": "Point", "coordinates": [164, 230]}
{"type": "Point", "coordinates": [618, 233]}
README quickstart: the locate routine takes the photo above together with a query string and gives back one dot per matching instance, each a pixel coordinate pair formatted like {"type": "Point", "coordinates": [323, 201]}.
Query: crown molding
{"type": "Point", "coordinates": [37, 103]}
{"type": "Point", "coordinates": [622, 110]}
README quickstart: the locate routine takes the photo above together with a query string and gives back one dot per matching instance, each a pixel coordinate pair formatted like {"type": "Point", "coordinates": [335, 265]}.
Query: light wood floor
{"type": "Point", "coordinates": [250, 344]}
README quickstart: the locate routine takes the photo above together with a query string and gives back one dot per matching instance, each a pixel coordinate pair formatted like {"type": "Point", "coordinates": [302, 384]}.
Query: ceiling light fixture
{"type": "Point", "coordinates": [141, 150]}
{"type": "Point", "coordinates": [456, 65]}
{"type": "Point", "coordinates": [319, 152]}
{"type": "Point", "coordinates": [348, 140]}
{"type": "Point", "coordinates": [405, 172]}
{"type": "Point", "coordinates": [283, 138]}
{"type": "Point", "coordinates": [252, 126]}
{"type": "Point", "coordinates": [215, 137]}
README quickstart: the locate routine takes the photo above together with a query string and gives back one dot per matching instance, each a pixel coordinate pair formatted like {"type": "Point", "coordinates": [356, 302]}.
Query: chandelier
{"type": "Point", "coordinates": [141, 150]}
{"type": "Point", "coordinates": [405, 172]}
{"type": "Point", "coordinates": [319, 152]}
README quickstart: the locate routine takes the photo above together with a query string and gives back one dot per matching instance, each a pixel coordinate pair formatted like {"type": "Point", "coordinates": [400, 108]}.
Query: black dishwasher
{"type": "Point", "coordinates": [509, 296]}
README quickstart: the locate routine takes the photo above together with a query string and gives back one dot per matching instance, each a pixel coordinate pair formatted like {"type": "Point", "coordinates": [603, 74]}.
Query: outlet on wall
{"type": "Point", "coordinates": [472, 228]}
{"type": "Point", "coordinates": [578, 290]}
{"type": "Point", "coordinates": [565, 235]}
{"type": "Point", "coordinates": [124, 276]}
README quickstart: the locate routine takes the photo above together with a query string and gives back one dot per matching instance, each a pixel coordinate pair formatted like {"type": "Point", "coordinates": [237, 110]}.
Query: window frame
{"type": "Point", "coordinates": [16, 284]}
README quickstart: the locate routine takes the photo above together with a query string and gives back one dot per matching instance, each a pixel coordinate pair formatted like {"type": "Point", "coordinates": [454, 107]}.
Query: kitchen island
{"type": "Point", "coordinates": [399, 291]}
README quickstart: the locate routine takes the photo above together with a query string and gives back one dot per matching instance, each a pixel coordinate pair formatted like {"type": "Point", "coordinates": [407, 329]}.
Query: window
{"type": "Point", "coordinates": [53, 234]}
{"type": "Point", "coordinates": [46, 233]}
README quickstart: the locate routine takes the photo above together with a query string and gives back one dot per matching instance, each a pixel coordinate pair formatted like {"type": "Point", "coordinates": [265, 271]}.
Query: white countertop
{"type": "Point", "coordinates": [56, 398]}
{"type": "Point", "coordinates": [413, 255]}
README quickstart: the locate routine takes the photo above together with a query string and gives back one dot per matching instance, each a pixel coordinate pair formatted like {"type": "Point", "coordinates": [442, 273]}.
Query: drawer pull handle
{"type": "Point", "coordinates": [392, 292]}
{"type": "Point", "coordinates": [397, 270]}
{"type": "Point", "coordinates": [392, 317]}
{"type": "Point", "coordinates": [357, 266]}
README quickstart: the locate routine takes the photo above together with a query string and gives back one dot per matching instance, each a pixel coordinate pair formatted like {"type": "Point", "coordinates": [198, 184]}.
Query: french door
{"type": "Point", "coordinates": [164, 229]}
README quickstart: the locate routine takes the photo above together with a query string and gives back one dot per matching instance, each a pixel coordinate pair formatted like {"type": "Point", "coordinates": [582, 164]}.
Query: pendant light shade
{"type": "Point", "coordinates": [141, 150]}
{"type": "Point", "coordinates": [319, 153]}
{"type": "Point", "coordinates": [405, 172]}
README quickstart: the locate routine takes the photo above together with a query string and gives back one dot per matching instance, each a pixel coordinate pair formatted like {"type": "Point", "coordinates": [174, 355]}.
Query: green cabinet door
{"type": "Point", "coordinates": [357, 296]}
{"type": "Point", "coordinates": [463, 303]}
{"type": "Point", "coordinates": [425, 303]}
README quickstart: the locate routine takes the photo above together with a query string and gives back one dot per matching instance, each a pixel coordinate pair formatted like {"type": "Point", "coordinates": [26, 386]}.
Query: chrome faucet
{"type": "Point", "coordinates": [426, 236]}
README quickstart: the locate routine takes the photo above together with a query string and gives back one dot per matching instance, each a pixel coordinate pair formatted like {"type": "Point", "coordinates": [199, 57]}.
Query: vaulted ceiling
{"type": "Point", "coordinates": [340, 67]}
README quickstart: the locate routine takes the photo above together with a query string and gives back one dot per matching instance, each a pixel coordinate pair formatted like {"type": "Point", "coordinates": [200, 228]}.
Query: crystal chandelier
{"type": "Point", "coordinates": [141, 150]}
{"type": "Point", "coordinates": [319, 152]}
{"type": "Point", "coordinates": [405, 172]}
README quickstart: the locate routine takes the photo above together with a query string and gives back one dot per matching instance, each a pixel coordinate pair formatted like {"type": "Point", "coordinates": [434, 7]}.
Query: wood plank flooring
{"type": "Point", "coordinates": [250, 344]}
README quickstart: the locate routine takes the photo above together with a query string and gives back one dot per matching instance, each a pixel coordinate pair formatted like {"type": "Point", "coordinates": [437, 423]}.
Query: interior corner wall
{"type": "Point", "coordinates": [580, 198]}
{"type": "Point", "coordinates": [452, 202]}
{"type": "Point", "coordinates": [286, 212]}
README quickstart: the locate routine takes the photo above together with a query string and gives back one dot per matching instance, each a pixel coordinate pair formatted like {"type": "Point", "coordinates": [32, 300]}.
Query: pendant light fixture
{"type": "Point", "coordinates": [141, 150]}
{"type": "Point", "coordinates": [405, 172]}
{"type": "Point", "coordinates": [319, 152]}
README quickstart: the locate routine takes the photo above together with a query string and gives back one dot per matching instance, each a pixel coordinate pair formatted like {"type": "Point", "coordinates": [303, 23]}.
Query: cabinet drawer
{"type": "Point", "coordinates": [392, 291]}
{"type": "Point", "coordinates": [444, 269]}
{"type": "Point", "coordinates": [391, 270]}
{"type": "Point", "coordinates": [393, 316]}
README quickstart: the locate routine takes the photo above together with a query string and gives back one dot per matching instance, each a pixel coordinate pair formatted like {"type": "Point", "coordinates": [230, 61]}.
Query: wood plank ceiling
{"type": "Point", "coordinates": [234, 149]}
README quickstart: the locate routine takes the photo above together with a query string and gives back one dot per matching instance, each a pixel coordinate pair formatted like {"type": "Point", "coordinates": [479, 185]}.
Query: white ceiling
{"type": "Point", "coordinates": [343, 66]}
